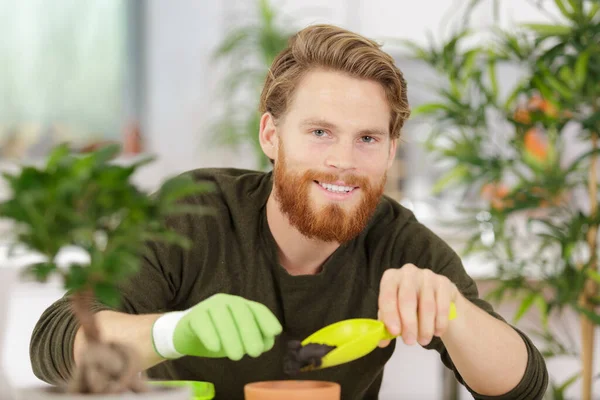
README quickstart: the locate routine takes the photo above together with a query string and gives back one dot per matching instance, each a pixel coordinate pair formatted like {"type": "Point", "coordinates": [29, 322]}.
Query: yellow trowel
{"type": "Point", "coordinates": [352, 339]}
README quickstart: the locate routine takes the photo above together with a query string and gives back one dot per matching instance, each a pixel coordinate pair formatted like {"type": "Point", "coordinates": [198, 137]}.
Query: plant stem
{"type": "Point", "coordinates": [81, 303]}
{"type": "Point", "coordinates": [590, 288]}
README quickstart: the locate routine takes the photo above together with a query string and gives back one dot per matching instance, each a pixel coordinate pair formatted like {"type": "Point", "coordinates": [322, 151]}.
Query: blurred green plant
{"type": "Point", "coordinates": [504, 147]}
{"type": "Point", "coordinates": [88, 202]}
{"type": "Point", "coordinates": [249, 51]}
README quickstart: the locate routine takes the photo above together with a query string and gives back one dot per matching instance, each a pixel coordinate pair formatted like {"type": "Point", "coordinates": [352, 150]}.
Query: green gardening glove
{"type": "Point", "coordinates": [223, 325]}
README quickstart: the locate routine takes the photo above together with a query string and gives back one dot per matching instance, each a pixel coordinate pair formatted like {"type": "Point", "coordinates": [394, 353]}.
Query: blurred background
{"type": "Point", "coordinates": [498, 157]}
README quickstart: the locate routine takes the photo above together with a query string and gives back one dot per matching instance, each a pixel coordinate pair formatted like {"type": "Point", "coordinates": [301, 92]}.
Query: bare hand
{"type": "Point", "coordinates": [415, 302]}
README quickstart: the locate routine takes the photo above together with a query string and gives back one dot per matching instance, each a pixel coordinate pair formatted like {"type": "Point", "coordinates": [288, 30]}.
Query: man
{"type": "Point", "coordinates": [312, 243]}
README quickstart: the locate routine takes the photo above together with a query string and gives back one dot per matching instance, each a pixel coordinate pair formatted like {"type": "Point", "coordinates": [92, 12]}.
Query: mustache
{"type": "Point", "coordinates": [350, 180]}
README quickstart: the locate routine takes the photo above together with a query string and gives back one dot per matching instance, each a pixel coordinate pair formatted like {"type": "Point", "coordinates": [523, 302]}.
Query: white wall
{"type": "Point", "coordinates": [180, 91]}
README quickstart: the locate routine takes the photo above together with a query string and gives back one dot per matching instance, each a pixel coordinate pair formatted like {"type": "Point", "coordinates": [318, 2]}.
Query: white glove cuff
{"type": "Point", "coordinates": [162, 334]}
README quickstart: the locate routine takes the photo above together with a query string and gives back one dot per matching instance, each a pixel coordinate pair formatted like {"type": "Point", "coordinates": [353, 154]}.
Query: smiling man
{"type": "Point", "coordinates": [311, 243]}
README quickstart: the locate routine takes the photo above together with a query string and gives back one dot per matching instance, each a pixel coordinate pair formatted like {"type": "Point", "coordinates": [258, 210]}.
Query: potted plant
{"type": "Point", "coordinates": [529, 206]}
{"type": "Point", "coordinates": [88, 202]}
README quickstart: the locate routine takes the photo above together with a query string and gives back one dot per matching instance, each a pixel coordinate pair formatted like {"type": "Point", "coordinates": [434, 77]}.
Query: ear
{"type": "Point", "coordinates": [392, 154]}
{"type": "Point", "coordinates": [268, 135]}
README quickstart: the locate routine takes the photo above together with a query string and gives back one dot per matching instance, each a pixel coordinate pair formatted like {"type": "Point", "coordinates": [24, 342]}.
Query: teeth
{"type": "Point", "coordinates": [336, 188]}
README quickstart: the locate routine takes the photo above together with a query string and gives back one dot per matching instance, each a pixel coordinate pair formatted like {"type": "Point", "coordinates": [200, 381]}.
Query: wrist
{"type": "Point", "coordinates": [163, 333]}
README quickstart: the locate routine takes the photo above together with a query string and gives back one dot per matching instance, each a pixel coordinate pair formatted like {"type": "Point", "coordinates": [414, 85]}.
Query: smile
{"type": "Point", "coordinates": [336, 188]}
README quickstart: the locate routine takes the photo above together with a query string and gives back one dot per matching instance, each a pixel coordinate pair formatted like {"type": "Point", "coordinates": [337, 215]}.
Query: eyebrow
{"type": "Point", "coordinates": [328, 125]}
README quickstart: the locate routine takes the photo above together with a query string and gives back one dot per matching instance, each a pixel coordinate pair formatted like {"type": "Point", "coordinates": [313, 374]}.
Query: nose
{"type": "Point", "coordinates": [341, 156]}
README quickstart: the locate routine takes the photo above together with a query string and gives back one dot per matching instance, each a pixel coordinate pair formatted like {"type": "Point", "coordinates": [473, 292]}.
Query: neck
{"type": "Point", "coordinates": [298, 254]}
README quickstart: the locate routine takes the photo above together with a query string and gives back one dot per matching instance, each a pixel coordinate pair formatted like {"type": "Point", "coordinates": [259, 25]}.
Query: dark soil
{"type": "Point", "coordinates": [306, 357]}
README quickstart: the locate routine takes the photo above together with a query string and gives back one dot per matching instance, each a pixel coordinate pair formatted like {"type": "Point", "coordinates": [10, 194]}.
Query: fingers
{"type": "Point", "coordinates": [251, 336]}
{"type": "Point", "coordinates": [427, 313]}
{"type": "Point", "coordinates": [203, 327]}
{"type": "Point", "coordinates": [268, 323]}
{"type": "Point", "coordinates": [407, 307]}
{"type": "Point", "coordinates": [388, 303]}
{"type": "Point", "coordinates": [268, 342]}
{"type": "Point", "coordinates": [415, 303]}
{"type": "Point", "coordinates": [228, 332]}
{"type": "Point", "coordinates": [231, 326]}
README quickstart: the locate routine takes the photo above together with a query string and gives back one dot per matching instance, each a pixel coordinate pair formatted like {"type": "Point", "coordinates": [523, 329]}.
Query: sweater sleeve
{"type": "Point", "coordinates": [534, 383]}
{"type": "Point", "coordinates": [156, 287]}
{"type": "Point", "coordinates": [416, 244]}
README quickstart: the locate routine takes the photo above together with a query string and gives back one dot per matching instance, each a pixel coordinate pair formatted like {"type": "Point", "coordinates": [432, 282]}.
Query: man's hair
{"type": "Point", "coordinates": [333, 48]}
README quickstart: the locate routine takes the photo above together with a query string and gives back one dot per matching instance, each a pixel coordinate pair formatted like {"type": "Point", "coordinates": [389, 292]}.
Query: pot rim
{"type": "Point", "coordinates": [296, 385]}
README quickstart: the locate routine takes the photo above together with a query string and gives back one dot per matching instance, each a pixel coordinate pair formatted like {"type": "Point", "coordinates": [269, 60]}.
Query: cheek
{"type": "Point", "coordinates": [299, 157]}
{"type": "Point", "coordinates": [309, 154]}
{"type": "Point", "coordinates": [374, 163]}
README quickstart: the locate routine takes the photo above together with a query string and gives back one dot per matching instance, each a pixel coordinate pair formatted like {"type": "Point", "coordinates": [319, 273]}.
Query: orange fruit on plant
{"type": "Point", "coordinates": [536, 144]}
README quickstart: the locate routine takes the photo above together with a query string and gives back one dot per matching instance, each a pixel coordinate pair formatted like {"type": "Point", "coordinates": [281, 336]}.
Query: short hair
{"type": "Point", "coordinates": [333, 48]}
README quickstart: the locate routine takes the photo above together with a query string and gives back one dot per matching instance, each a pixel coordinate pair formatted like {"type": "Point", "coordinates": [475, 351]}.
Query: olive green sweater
{"type": "Point", "coordinates": [234, 252]}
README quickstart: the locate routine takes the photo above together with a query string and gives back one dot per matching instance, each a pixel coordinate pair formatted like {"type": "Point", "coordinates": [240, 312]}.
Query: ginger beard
{"type": "Point", "coordinates": [330, 223]}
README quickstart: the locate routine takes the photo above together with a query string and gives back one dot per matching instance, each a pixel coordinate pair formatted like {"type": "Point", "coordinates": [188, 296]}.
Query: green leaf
{"type": "Point", "coordinates": [456, 173]}
{"type": "Point", "coordinates": [592, 316]}
{"type": "Point", "coordinates": [76, 277]}
{"type": "Point", "coordinates": [581, 68]}
{"type": "Point", "coordinates": [180, 186]}
{"type": "Point", "coordinates": [566, 74]}
{"type": "Point", "coordinates": [543, 308]}
{"type": "Point", "coordinates": [559, 86]}
{"type": "Point", "coordinates": [57, 155]}
{"type": "Point", "coordinates": [417, 51]}
{"type": "Point", "coordinates": [468, 64]}
{"type": "Point", "coordinates": [493, 78]}
{"type": "Point", "coordinates": [497, 294]}
{"type": "Point", "coordinates": [593, 274]}
{"type": "Point", "coordinates": [568, 382]}
{"type": "Point", "coordinates": [519, 88]}
{"type": "Point", "coordinates": [563, 8]}
{"type": "Point", "coordinates": [593, 10]}
{"type": "Point", "coordinates": [575, 164]}
{"type": "Point", "coordinates": [577, 6]}
{"type": "Point", "coordinates": [430, 108]}
{"type": "Point", "coordinates": [549, 29]}
{"type": "Point", "coordinates": [40, 271]}
{"type": "Point", "coordinates": [106, 153]}
{"type": "Point", "coordinates": [593, 121]}
{"type": "Point", "coordinates": [107, 294]}
{"type": "Point", "coordinates": [558, 391]}
{"type": "Point", "coordinates": [234, 40]}
{"type": "Point", "coordinates": [542, 87]}
{"type": "Point", "coordinates": [266, 11]}
{"type": "Point", "coordinates": [143, 161]}
{"type": "Point", "coordinates": [525, 306]}
{"type": "Point", "coordinates": [469, 10]}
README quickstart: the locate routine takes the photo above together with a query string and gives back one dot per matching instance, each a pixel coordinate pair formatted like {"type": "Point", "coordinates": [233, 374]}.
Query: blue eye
{"type": "Point", "coordinates": [369, 139]}
{"type": "Point", "coordinates": [319, 132]}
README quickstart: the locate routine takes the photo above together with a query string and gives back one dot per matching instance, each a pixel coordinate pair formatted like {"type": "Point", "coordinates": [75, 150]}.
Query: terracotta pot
{"type": "Point", "coordinates": [292, 390]}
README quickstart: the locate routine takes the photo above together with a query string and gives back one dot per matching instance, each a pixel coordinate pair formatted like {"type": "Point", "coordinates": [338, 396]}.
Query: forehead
{"type": "Point", "coordinates": [341, 99]}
